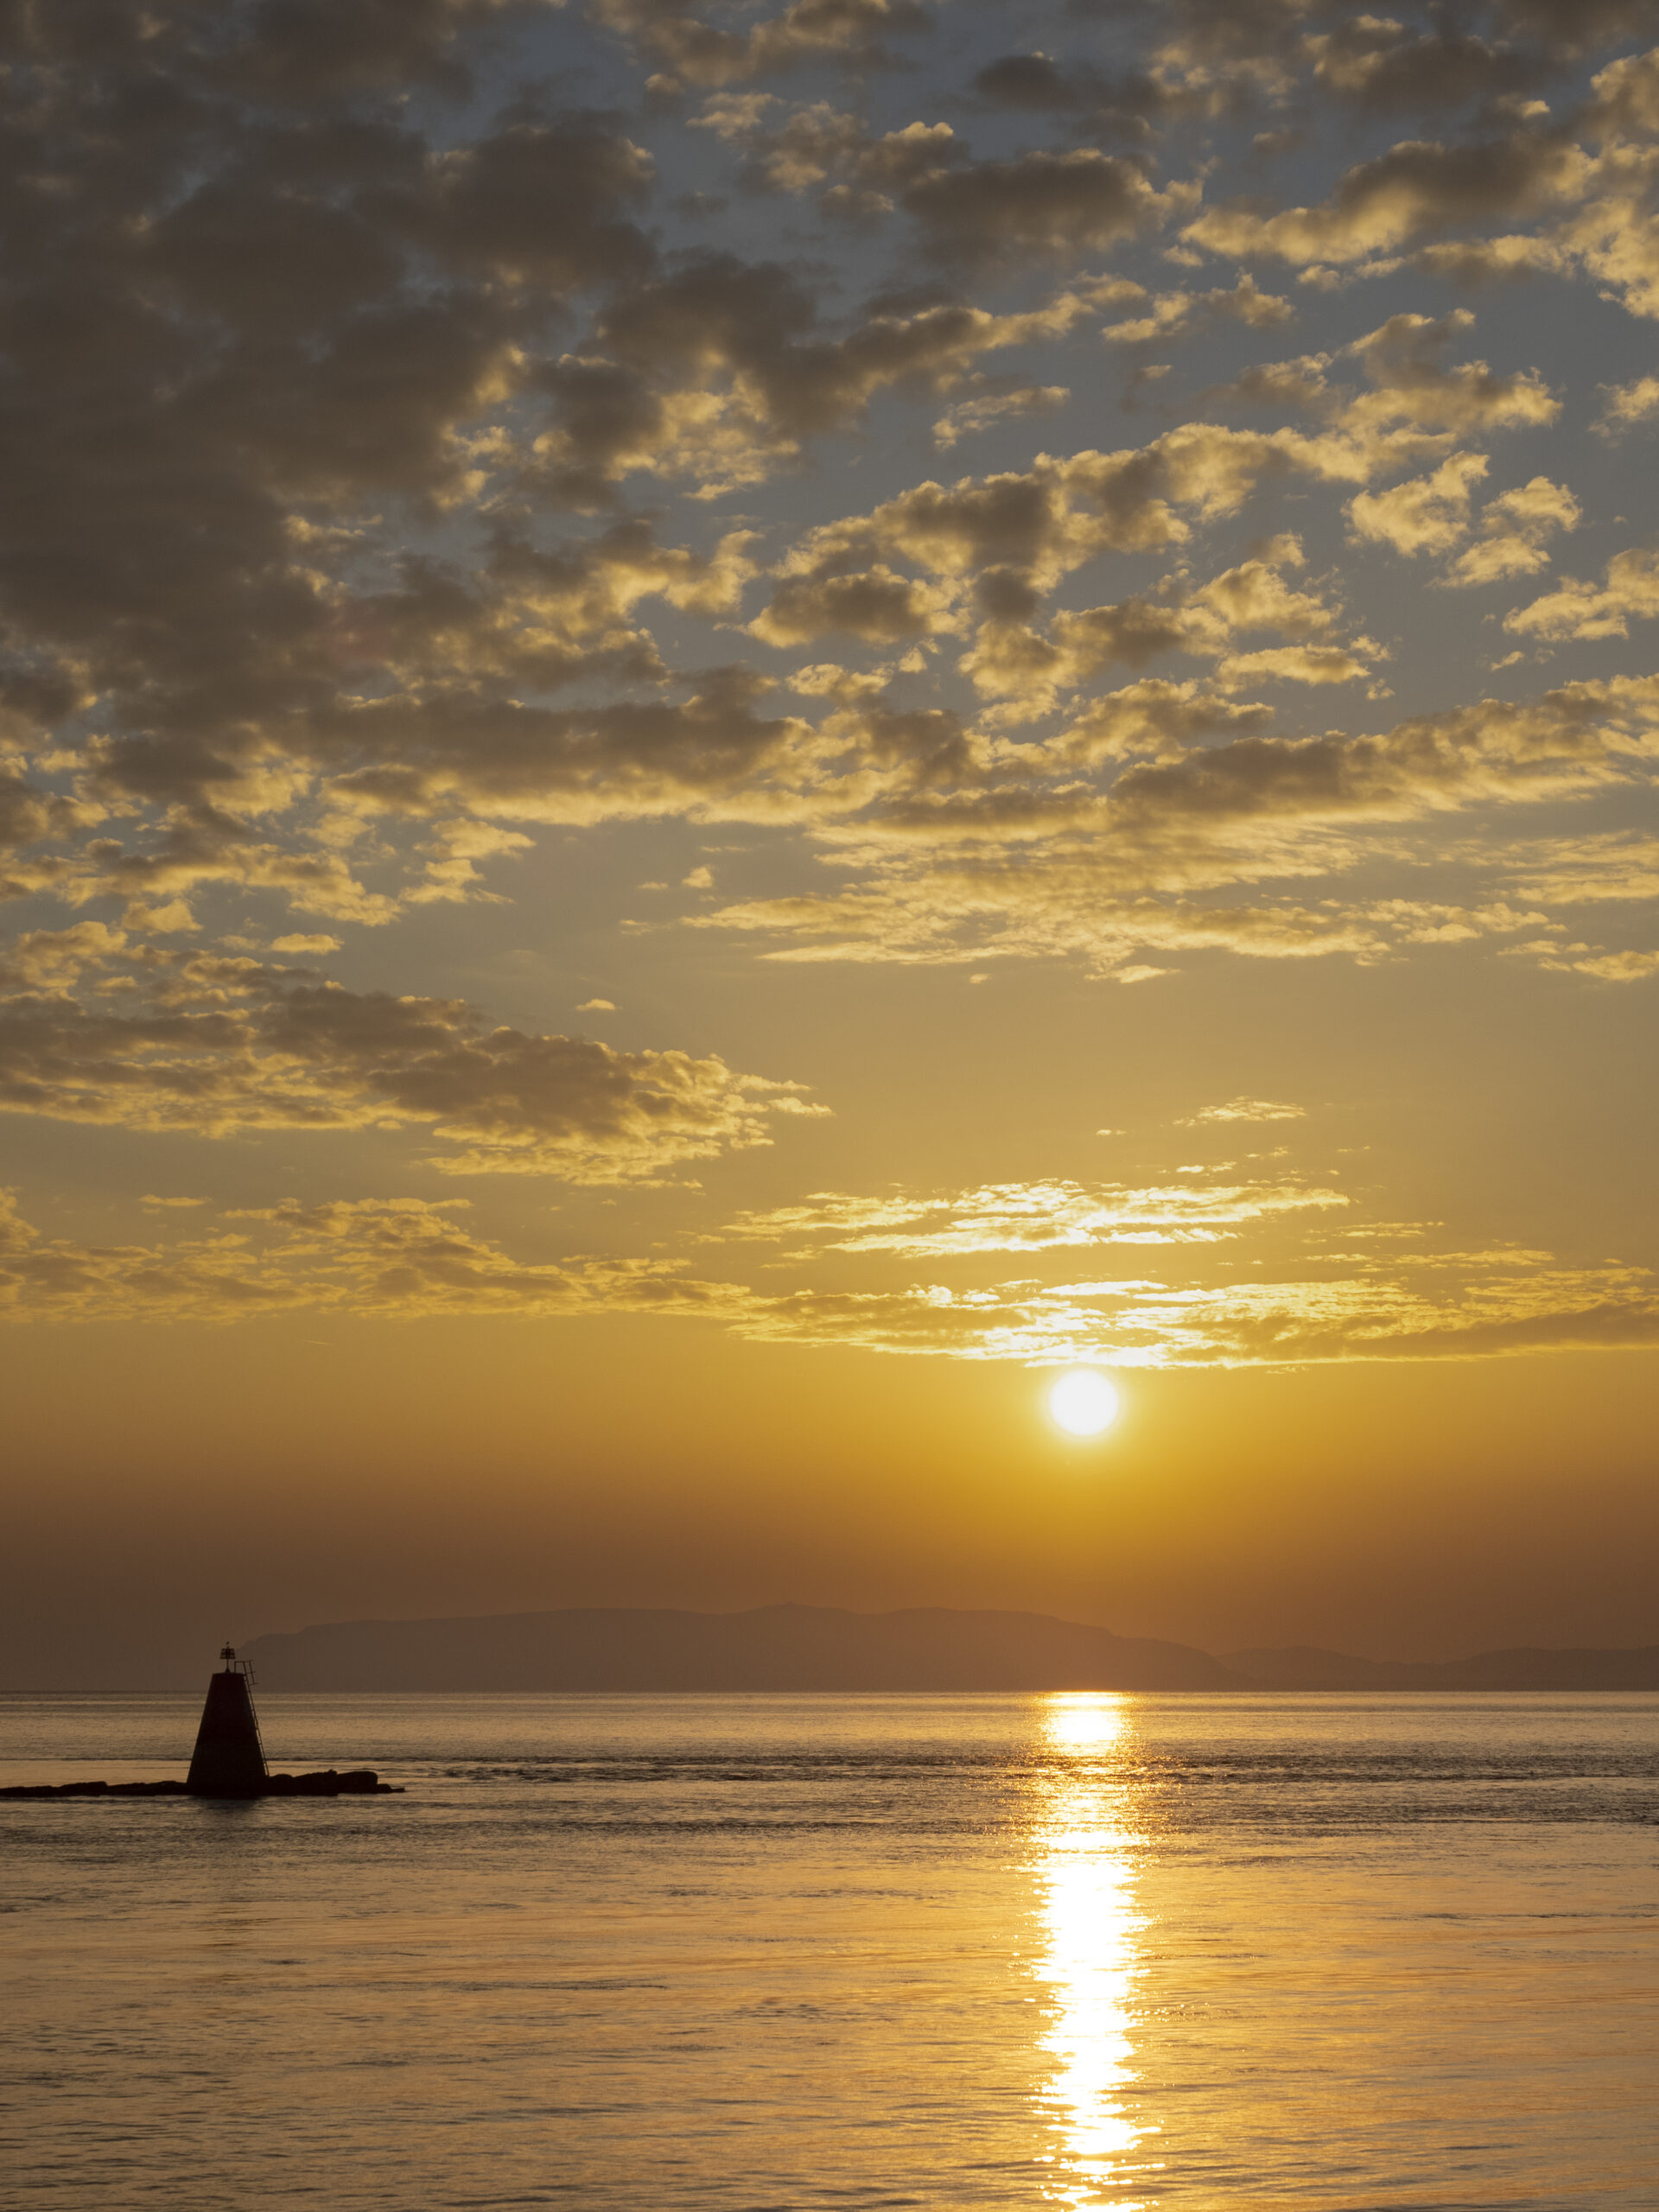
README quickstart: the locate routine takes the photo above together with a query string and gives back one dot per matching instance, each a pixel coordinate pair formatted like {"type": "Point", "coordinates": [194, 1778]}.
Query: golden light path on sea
{"type": "Point", "coordinates": [1090, 1964]}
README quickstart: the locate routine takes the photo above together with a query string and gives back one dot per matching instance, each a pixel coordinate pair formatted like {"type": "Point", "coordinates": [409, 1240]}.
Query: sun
{"type": "Point", "coordinates": [1084, 1402]}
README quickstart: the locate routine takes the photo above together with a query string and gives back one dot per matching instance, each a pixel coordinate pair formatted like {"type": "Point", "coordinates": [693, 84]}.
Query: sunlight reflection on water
{"type": "Point", "coordinates": [1090, 1834]}
{"type": "Point", "coordinates": [1086, 1953]}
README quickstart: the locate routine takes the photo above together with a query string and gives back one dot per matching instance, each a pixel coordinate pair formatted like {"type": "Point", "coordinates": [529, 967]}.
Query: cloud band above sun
{"type": "Point", "coordinates": [703, 517]}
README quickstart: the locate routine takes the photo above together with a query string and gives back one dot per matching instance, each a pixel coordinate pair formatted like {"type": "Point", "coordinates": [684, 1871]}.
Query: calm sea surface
{"type": "Point", "coordinates": [745, 1952]}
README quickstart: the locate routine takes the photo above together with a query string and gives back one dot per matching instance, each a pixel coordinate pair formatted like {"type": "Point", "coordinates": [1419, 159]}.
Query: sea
{"type": "Point", "coordinates": [770, 1953]}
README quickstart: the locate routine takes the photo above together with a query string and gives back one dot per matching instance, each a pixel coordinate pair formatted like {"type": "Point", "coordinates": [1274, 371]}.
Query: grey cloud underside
{"type": "Point", "coordinates": [219, 1045]}
{"type": "Point", "coordinates": [253, 302]}
{"type": "Point", "coordinates": [393, 469]}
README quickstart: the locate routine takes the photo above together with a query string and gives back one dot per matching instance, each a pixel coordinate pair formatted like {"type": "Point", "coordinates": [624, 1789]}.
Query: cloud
{"type": "Point", "coordinates": [1427, 514]}
{"type": "Point", "coordinates": [875, 604]}
{"type": "Point", "coordinates": [1572, 871]}
{"type": "Point", "coordinates": [811, 31]}
{"type": "Point", "coordinates": [1629, 966]}
{"type": "Point", "coordinates": [319, 639]}
{"type": "Point", "coordinates": [1409, 382]}
{"type": "Point", "coordinates": [1515, 525]}
{"type": "Point", "coordinates": [1418, 186]}
{"type": "Point", "coordinates": [970, 416]}
{"type": "Point", "coordinates": [1178, 314]}
{"type": "Point", "coordinates": [1576, 609]}
{"type": "Point", "coordinates": [396, 1258]}
{"type": "Point", "coordinates": [1512, 1305]}
{"type": "Point", "coordinates": [226, 1044]}
{"type": "Point", "coordinates": [1627, 405]}
{"type": "Point", "coordinates": [304, 50]}
{"type": "Point", "coordinates": [802, 147]}
{"type": "Point", "coordinates": [1295, 664]}
{"type": "Point", "coordinates": [1023, 867]}
{"type": "Point", "coordinates": [1013, 661]}
{"type": "Point", "coordinates": [720, 369]}
{"type": "Point", "coordinates": [1626, 97]}
{"type": "Point", "coordinates": [1242, 1109]}
{"type": "Point", "coordinates": [1129, 103]}
{"type": "Point", "coordinates": [330, 405]}
{"type": "Point", "coordinates": [1152, 720]}
{"type": "Point", "coordinates": [1033, 1217]}
{"type": "Point", "coordinates": [1366, 1297]}
{"type": "Point", "coordinates": [1015, 534]}
{"type": "Point", "coordinates": [1041, 204]}
{"type": "Point", "coordinates": [1377, 65]}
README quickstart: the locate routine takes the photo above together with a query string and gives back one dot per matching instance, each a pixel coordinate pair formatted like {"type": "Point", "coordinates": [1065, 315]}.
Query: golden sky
{"type": "Point", "coordinates": [725, 731]}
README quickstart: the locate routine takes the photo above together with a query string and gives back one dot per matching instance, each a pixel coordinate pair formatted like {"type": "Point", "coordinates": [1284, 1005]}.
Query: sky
{"type": "Point", "coordinates": [724, 733]}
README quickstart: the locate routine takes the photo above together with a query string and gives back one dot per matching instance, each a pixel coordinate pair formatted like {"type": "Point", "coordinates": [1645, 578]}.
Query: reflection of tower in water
{"type": "Point", "coordinates": [1088, 1839]}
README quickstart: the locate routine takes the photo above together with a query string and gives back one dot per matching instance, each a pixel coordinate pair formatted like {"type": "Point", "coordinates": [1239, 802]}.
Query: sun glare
{"type": "Point", "coordinates": [1084, 1402]}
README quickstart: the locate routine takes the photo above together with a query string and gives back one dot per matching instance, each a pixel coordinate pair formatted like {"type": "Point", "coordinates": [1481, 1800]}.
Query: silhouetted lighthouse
{"type": "Point", "coordinates": [229, 1760]}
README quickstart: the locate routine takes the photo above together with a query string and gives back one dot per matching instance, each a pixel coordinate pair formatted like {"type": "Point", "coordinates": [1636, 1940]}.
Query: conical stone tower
{"type": "Point", "coordinates": [229, 1760]}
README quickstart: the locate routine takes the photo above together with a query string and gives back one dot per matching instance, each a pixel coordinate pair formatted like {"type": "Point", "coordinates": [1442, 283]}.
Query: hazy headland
{"type": "Point", "coordinates": [826, 1647]}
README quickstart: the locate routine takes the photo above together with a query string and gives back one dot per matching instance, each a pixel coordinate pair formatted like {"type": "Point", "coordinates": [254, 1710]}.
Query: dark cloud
{"type": "Point", "coordinates": [1377, 64]}
{"type": "Point", "coordinates": [850, 33]}
{"type": "Point", "coordinates": [646, 757]}
{"type": "Point", "coordinates": [221, 314]}
{"type": "Point", "coordinates": [303, 50]}
{"type": "Point", "coordinates": [395, 1257]}
{"type": "Point", "coordinates": [1057, 207]}
{"type": "Point", "coordinates": [1129, 103]}
{"type": "Point", "coordinates": [228, 1043]}
{"type": "Point", "coordinates": [329, 382]}
{"type": "Point", "coordinates": [367, 442]}
{"type": "Point", "coordinates": [1549, 33]}
{"type": "Point", "coordinates": [875, 605]}
{"type": "Point", "coordinates": [1572, 27]}
{"type": "Point", "coordinates": [1414, 189]}
{"type": "Point", "coordinates": [721, 369]}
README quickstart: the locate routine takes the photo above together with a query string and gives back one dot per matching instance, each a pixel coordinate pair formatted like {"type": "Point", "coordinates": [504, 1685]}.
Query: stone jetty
{"type": "Point", "coordinates": [229, 1759]}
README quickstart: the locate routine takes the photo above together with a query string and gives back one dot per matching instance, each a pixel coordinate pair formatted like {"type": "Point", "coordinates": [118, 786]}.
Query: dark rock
{"type": "Point", "coordinates": [97, 1789]}
{"type": "Point", "coordinates": [229, 1759]}
{"type": "Point", "coordinates": [359, 1782]}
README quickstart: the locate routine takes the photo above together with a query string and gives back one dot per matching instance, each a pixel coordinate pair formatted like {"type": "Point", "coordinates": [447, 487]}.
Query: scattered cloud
{"type": "Point", "coordinates": [1514, 526]}
{"type": "Point", "coordinates": [1031, 1217]}
{"type": "Point", "coordinates": [1627, 405]}
{"type": "Point", "coordinates": [410, 484]}
{"type": "Point", "coordinates": [408, 1259]}
{"type": "Point", "coordinates": [1417, 188]}
{"type": "Point", "coordinates": [1575, 609]}
{"type": "Point", "coordinates": [1428, 514]}
{"type": "Point", "coordinates": [1243, 1109]}
{"type": "Point", "coordinates": [968, 416]}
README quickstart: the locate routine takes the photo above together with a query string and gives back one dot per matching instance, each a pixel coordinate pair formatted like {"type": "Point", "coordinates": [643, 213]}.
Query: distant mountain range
{"type": "Point", "coordinates": [822, 1647]}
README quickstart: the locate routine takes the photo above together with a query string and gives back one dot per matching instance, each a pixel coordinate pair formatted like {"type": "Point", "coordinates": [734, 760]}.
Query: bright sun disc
{"type": "Point", "coordinates": [1084, 1402]}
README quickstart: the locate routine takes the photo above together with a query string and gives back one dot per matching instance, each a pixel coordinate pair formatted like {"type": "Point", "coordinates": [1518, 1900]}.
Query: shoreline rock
{"type": "Point", "coordinates": [357, 1781]}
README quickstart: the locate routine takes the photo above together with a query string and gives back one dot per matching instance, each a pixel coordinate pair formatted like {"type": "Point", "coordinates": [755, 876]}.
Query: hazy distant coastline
{"type": "Point", "coordinates": [824, 1648]}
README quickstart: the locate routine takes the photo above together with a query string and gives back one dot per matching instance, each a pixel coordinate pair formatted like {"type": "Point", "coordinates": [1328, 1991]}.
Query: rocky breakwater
{"type": "Point", "coordinates": [357, 1781]}
{"type": "Point", "coordinates": [229, 1759]}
